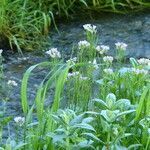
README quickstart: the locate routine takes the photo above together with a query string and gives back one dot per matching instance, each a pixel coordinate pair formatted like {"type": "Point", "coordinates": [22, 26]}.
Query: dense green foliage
{"type": "Point", "coordinates": [26, 24]}
{"type": "Point", "coordinates": [97, 103]}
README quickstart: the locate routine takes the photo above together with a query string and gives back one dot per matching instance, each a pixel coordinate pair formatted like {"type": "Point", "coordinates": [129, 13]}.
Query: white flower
{"type": "Point", "coordinates": [12, 83]}
{"type": "Point", "coordinates": [72, 60]}
{"type": "Point", "coordinates": [54, 53]}
{"type": "Point", "coordinates": [90, 28]}
{"type": "Point", "coordinates": [108, 59]}
{"type": "Point", "coordinates": [102, 49]}
{"type": "Point", "coordinates": [77, 74]}
{"type": "Point", "coordinates": [84, 78]}
{"type": "Point", "coordinates": [73, 74]}
{"type": "Point", "coordinates": [19, 120]}
{"type": "Point", "coordinates": [1, 52]}
{"type": "Point", "coordinates": [121, 46]}
{"type": "Point", "coordinates": [139, 71]}
{"type": "Point", "coordinates": [23, 58]}
{"type": "Point", "coordinates": [143, 61]}
{"type": "Point", "coordinates": [108, 71]}
{"type": "Point", "coordinates": [83, 44]}
{"type": "Point", "coordinates": [136, 71]}
{"type": "Point", "coordinates": [95, 64]}
{"type": "Point", "coordinates": [115, 131]}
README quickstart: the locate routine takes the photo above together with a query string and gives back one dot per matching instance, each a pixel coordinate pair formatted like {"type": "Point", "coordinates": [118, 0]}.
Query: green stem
{"type": "Point", "coordinates": [68, 143]}
{"type": "Point", "coordinates": [108, 141]}
{"type": "Point", "coordinates": [148, 142]}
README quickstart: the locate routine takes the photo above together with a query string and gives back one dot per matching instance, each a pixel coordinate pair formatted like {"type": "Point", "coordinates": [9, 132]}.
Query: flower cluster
{"type": "Point", "coordinates": [90, 28]}
{"type": "Point", "coordinates": [108, 59]}
{"type": "Point", "coordinates": [77, 74]}
{"type": "Point", "coordinates": [19, 120]}
{"type": "Point", "coordinates": [94, 63]}
{"type": "Point", "coordinates": [73, 74]}
{"type": "Point", "coordinates": [72, 60]}
{"type": "Point", "coordinates": [54, 53]}
{"type": "Point", "coordinates": [83, 44]}
{"type": "Point", "coordinates": [136, 71]}
{"type": "Point", "coordinates": [12, 83]}
{"type": "Point", "coordinates": [144, 61]}
{"type": "Point", "coordinates": [84, 78]}
{"type": "Point", "coordinates": [108, 71]}
{"type": "Point", "coordinates": [23, 58]}
{"type": "Point", "coordinates": [139, 71]}
{"type": "Point", "coordinates": [102, 49]}
{"type": "Point", "coordinates": [121, 46]}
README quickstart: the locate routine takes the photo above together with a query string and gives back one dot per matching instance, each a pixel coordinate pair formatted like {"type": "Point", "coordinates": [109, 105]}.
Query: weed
{"type": "Point", "coordinates": [106, 106]}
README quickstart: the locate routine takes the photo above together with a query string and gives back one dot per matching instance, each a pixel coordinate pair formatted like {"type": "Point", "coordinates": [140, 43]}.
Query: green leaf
{"type": "Point", "coordinates": [77, 119]}
{"type": "Point", "coordinates": [110, 100]}
{"type": "Point", "coordinates": [84, 2]}
{"type": "Point", "coordinates": [85, 144]}
{"type": "Point", "coordinates": [133, 62]}
{"type": "Point", "coordinates": [109, 115]}
{"type": "Point", "coordinates": [91, 135]}
{"type": "Point", "coordinates": [100, 102]}
{"type": "Point", "coordinates": [24, 99]}
{"type": "Point", "coordinates": [125, 113]}
{"type": "Point", "coordinates": [84, 126]}
{"type": "Point", "coordinates": [87, 120]}
{"type": "Point", "coordinates": [20, 145]}
{"type": "Point", "coordinates": [141, 105]}
{"type": "Point", "coordinates": [59, 87]}
{"type": "Point", "coordinates": [134, 146]}
{"type": "Point", "coordinates": [123, 104]}
{"type": "Point", "coordinates": [5, 120]}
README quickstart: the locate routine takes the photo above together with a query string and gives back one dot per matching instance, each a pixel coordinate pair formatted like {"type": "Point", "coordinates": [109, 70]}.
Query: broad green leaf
{"type": "Point", "coordinates": [24, 93]}
{"type": "Point", "coordinates": [91, 135]}
{"type": "Point", "coordinates": [84, 126]}
{"type": "Point", "coordinates": [110, 100]}
{"type": "Point", "coordinates": [125, 113]}
{"type": "Point", "coordinates": [100, 102]}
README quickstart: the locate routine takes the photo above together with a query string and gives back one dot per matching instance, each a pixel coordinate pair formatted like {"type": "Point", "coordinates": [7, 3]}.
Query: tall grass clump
{"type": "Point", "coordinates": [98, 102]}
{"type": "Point", "coordinates": [26, 24]}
